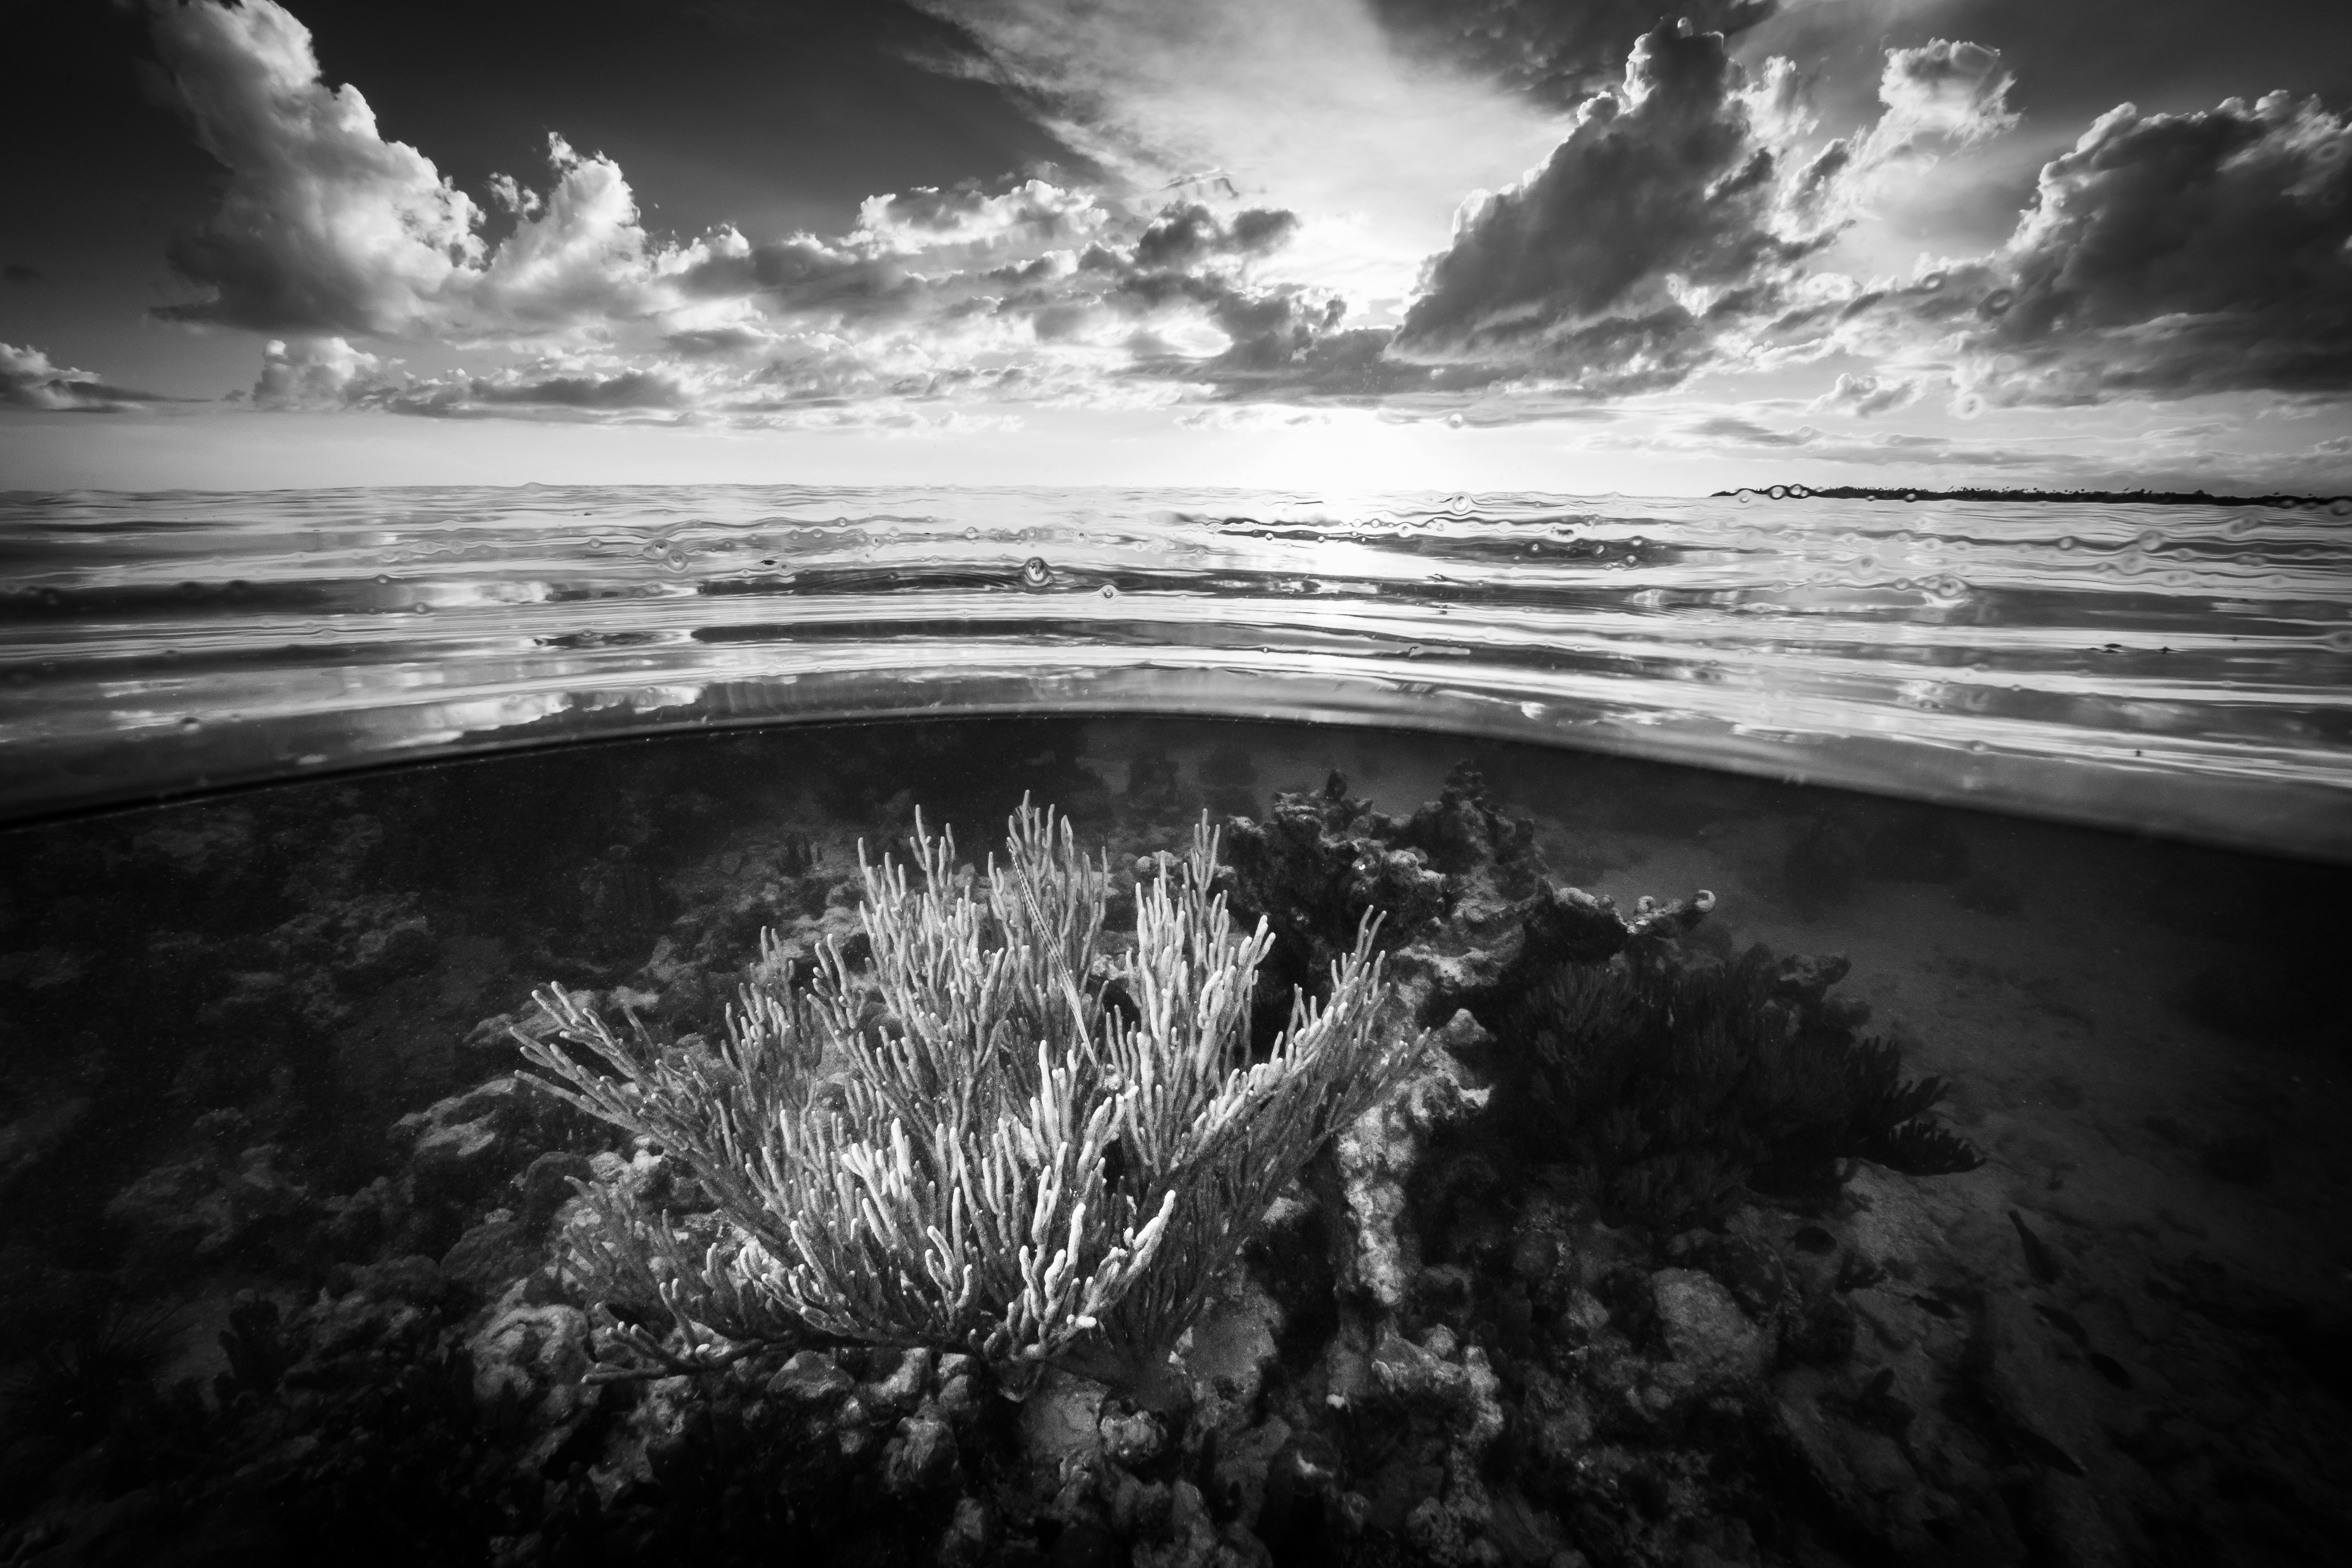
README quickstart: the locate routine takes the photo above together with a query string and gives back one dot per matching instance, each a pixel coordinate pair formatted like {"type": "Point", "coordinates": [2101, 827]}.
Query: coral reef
{"type": "Point", "coordinates": [310, 1272]}
{"type": "Point", "coordinates": [1672, 1082]}
{"type": "Point", "coordinates": [1041, 1151]}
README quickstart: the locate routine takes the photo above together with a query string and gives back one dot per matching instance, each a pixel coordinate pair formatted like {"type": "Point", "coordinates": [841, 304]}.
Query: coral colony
{"type": "Point", "coordinates": [1004, 1135]}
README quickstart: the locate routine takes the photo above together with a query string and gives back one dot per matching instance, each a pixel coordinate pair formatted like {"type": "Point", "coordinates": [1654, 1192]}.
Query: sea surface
{"type": "Point", "coordinates": [2165, 669]}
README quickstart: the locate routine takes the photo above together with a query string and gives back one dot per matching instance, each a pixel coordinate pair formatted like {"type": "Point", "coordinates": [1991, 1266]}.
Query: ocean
{"type": "Point", "coordinates": [1827, 1044]}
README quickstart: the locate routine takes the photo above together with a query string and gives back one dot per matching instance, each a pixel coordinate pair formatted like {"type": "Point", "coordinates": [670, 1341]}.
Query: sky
{"type": "Point", "coordinates": [1576, 246]}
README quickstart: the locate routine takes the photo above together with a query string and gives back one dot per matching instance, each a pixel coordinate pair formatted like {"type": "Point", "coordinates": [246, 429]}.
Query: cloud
{"type": "Point", "coordinates": [908, 251]}
{"type": "Point", "coordinates": [2165, 256]}
{"type": "Point", "coordinates": [629, 390]}
{"type": "Point", "coordinates": [1863, 396]}
{"type": "Point", "coordinates": [325, 229]}
{"type": "Point", "coordinates": [323, 224]}
{"type": "Point", "coordinates": [28, 380]}
{"type": "Point", "coordinates": [1314, 106]}
{"type": "Point", "coordinates": [1940, 96]}
{"type": "Point", "coordinates": [1650, 239]}
{"type": "Point", "coordinates": [1560, 52]}
{"type": "Point", "coordinates": [1189, 233]}
{"type": "Point", "coordinates": [2169, 255]}
{"type": "Point", "coordinates": [311, 373]}
{"type": "Point", "coordinates": [1736, 431]}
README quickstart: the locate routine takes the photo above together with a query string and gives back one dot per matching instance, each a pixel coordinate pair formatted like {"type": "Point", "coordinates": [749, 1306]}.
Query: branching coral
{"type": "Point", "coordinates": [1005, 1135]}
{"type": "Point", "coordinates": [1675, 1080]}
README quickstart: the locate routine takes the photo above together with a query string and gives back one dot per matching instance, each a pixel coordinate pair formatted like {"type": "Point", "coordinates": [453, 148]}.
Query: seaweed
{"type": "Point", "coordinates": [1676, 1083]}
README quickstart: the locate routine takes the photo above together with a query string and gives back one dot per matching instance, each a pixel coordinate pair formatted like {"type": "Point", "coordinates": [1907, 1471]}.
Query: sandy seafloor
{"type": "Point", "coordinates": [2121, 1339]}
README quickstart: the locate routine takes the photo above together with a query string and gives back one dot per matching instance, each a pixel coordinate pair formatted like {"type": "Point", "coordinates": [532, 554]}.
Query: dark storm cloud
{"type": "Point", "coordinates": [28, 380]}
{"type": "Point", "coordinates": [1559, 51]}
{"type": "Point", "coordinates": [1649, 233]}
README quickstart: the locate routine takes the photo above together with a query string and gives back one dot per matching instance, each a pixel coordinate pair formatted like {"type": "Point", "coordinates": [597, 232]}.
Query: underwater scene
{"type": "Point", "coordinates": [1158, 1140]}
{"type": "Point", "coordinates": [1176, 783]}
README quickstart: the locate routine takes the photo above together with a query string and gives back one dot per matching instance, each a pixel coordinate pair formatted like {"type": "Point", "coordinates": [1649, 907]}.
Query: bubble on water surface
{"type": "Point", "coordinates": [1036, 573]}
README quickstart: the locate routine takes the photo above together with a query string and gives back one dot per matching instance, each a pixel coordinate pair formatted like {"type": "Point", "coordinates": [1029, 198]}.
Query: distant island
{"type": "Point", "coordinates": [2137, 498]}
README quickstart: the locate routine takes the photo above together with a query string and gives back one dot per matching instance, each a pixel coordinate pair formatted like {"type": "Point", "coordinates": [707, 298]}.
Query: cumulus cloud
{"type": "Point", "coordinates": [2165, 256]}
{"type": "Point", "coordinates": [328, 235]}
{"type": "Point", "coordinates": [1647, 241]}
{"type": "Point", "coordinates": [326, 228]}
{"type": "Point", "coordinates": [1025, 291]}
{"type": "Point", "coordinates": [2183, 253]}
{"type": "Point", "coordinates": [323, 224]}
{"type": "Point", "coordinates": [1189, 233]}
{"type": "Point", "coordinates": [1667, 225]}
{"type": "Point", "coordinates": [311, 373]}
{"type": "Point", "coordinates": [28, 380]}
{"type": "Point", "coordinates": [908, 250]}
{"type": "Point", "coordinates": [1940, 96]}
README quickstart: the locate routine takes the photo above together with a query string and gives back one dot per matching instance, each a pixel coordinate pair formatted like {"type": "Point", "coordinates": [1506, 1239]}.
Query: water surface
{"type": "Point", "coordinates": [2174, 668]}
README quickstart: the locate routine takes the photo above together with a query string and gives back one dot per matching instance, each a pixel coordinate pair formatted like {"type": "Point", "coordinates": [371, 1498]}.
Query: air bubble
{"type": "Point", "coordinates": [972, 533]}
{"type": "Point", "coordinates": [1110, 591]}
{"type": "Point", "coordinates": [2066, 541]}
{"type": "Point", "coordinates": [1744, 497]}
{"type": "Point", "coordinates": [191, 724]}
{"type": "Point", "coordinates": [1778, 492]}
{"type": "Point", "coordinates": [1799, 492]}
{"type": "Point", "coordinates": [1036, 573]}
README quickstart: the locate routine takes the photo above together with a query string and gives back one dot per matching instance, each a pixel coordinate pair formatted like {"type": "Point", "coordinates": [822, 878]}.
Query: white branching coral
{"type": "Point", "coordinates": [1012, 1134]}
